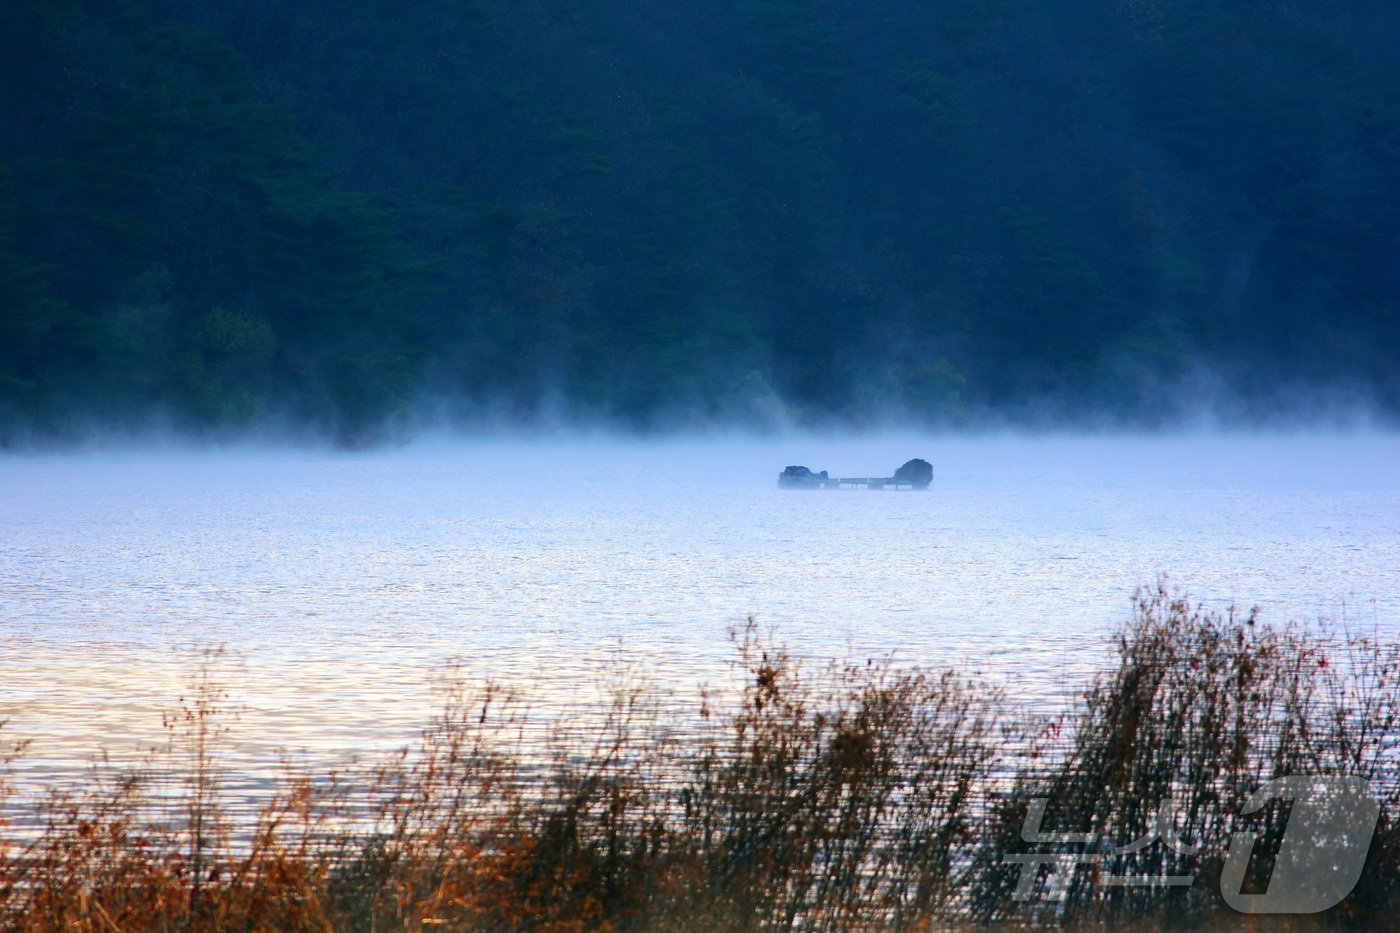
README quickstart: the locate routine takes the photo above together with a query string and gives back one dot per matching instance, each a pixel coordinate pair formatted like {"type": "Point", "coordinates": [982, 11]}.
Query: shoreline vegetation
{"type": "Point", "coordinates": [854, 796]}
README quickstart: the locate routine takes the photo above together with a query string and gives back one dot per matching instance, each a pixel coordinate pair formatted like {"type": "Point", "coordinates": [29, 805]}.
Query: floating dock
{"type": "Point", "coordinates": [914, 475]}
{"type": "Point", "coordinates": [847, 482]}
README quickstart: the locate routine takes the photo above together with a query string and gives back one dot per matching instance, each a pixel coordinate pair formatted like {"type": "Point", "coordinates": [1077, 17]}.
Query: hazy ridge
{"type": "Point", "coordinates": [768, 212]}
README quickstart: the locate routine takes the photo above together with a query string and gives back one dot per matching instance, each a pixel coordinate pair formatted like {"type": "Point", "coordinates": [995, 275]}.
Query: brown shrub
{"type": "Point", "coordinates": [854, 796]}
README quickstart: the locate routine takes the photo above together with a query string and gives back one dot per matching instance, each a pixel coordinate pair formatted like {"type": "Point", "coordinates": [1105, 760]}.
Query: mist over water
{"type": "Point", "coordinates": [343, 584]}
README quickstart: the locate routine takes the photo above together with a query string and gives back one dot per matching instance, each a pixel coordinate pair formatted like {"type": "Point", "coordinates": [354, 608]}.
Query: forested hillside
{"type": "Point", "coordinates": [330, 214]}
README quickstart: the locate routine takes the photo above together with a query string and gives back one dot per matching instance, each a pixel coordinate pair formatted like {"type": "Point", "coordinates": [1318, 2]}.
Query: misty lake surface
{"type": "Point", "coordinates": [343, 584]}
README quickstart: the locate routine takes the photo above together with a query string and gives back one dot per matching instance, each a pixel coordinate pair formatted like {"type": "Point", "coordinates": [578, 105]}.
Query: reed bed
{"type": "Point", "coordinates": [851, 796]}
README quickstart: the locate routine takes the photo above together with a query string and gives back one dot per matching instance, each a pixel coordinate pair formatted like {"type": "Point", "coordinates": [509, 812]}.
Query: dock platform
{"type": "Point", "coordinates": [914, 475]}
{"type": "Point", "coordinates": [847, 482]}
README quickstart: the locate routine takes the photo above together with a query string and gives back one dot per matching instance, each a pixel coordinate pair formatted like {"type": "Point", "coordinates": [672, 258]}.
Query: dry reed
{"type": "Point", "coordinates": [848, 797]}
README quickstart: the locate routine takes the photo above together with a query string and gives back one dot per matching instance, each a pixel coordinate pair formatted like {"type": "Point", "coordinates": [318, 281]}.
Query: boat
{"type": "Point", "coordinates": [915, 475]}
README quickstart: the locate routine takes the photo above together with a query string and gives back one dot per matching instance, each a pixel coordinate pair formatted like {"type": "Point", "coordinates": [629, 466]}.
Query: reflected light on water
{"type": "Point", "coordinates": [343, 584]}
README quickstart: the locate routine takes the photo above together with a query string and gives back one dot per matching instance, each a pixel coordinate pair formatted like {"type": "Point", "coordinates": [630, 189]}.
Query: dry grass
{"type": "Point", "coordinates": [850, 797]}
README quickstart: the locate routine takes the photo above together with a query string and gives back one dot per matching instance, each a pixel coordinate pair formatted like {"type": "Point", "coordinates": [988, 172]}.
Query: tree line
{"type": "Point", "coordinates": [809, 211]}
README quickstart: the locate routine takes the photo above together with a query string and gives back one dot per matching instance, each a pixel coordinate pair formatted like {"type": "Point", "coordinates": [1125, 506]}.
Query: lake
{"type": "Point", "coordinates": [342, 584]}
